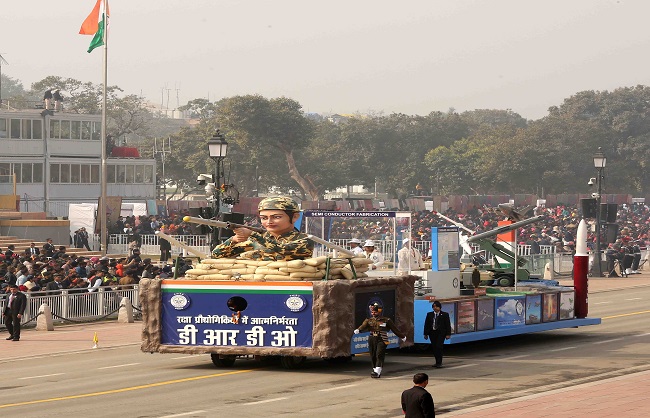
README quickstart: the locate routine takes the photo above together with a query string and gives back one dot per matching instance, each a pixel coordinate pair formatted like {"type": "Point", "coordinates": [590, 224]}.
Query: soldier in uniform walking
{"type": "Point", "coordinates": [281, 241]}
{"type": "Point", "coordinates": [378, 325]}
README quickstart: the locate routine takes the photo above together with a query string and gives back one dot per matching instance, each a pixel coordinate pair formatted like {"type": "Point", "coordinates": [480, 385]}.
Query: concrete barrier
{"type": "Point", "coordinates": [125, 314]}
{"type": "Point", "coordinates": [44, 319]}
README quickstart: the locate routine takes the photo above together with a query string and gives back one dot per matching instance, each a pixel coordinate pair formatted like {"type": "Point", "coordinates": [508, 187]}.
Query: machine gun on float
{"type": "Point", "coordinates": [504, 275]}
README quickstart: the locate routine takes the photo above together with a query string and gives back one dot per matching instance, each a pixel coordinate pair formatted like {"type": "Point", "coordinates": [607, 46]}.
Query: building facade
{"type": "Point", "coordinates": [56, 159]}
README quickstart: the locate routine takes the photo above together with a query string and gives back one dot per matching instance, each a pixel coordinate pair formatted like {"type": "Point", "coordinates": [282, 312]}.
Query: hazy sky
{"type": "Point", "coordinates": [340, 56]}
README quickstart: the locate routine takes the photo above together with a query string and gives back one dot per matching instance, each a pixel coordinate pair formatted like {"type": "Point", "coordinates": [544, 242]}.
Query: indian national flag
{"type": "Point", "coordinates": [94, 24]}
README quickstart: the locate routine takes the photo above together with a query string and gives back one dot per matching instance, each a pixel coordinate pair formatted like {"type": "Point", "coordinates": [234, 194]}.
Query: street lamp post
{"type": "Point", "coordinates": [599, 162]}
{"type": "Point", "coordinates": [218, 148]}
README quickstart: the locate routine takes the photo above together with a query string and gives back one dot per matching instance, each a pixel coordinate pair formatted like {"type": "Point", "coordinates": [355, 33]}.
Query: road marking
{"type": "Point", "coordinates": [338, 387]}
{"type": "Point", "coordinates": [181, 358]}
{"type": "Point", "coordinates": [626, 314]}
{"type": "Point", "coordinates": [265, 401]}
{"type": "Point", "coordinates": [634, 299]}
{"type": "Point", "coordinates": [184, 414]}
{"type": "Point", "coordinates": [398, 377]}
{"type": "Point", "coordinates": [462, 366]}
{"type": "Point", "coordinates": [122, 390]}
{"type": "Point", "coordinates": [563, 348]}
{"type": "Point", "coordinates": [642, 335]}
{"type": "Point", "coordinates": [505, 357]}
{"type": "Point", "coordinates": [43, 375]}
{"type": "Point", "coordinates": [608, 341]}
{"type": "Point", "coordinates": [600, 303]}
{"type": "Point", "coordinates": [513, 357]}
{"type": "Point", "coordinates": [119, 365]}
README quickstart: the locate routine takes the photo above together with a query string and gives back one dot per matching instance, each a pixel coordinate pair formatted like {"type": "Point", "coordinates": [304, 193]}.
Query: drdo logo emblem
{"type": "Point", "coordinates": [180, 301]}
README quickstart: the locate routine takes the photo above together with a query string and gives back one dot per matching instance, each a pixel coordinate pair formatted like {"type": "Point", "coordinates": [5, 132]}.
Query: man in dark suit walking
{"type": "Point", "coordinates": [417, 402]}
{"type": "Point", "coordinates": [437, 328]}
{"type": "Point", "coordinates": [14, 311]}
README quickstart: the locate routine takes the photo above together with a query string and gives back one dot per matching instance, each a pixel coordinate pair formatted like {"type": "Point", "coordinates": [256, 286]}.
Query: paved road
{"type": "Point", "coordinates": [57, 373]}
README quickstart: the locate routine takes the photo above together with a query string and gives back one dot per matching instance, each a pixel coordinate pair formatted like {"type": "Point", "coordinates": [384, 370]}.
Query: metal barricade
{"type": "Point", "coordinates": [78, 305]}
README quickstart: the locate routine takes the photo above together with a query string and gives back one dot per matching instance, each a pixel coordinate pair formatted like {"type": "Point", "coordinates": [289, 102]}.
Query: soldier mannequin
{"type": "Point", "coordinates": [281, 241]}
{"type": "Point", "coordinates": [378, 340]}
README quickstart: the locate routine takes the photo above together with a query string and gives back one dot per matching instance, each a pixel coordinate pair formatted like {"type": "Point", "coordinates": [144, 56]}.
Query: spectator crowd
{"type": "Point", "coordinates": [557, 228]}
{"type": "Point", "coordinates": [51, 272]}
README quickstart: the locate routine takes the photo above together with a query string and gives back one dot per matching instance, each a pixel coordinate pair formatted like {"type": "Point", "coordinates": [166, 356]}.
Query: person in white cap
{"type": "Point", "coordinates": [376, 257]}
{"type": "Point", "coordinates": [409, 258]}
{"type": "Point", "coordinates": [355, 246]}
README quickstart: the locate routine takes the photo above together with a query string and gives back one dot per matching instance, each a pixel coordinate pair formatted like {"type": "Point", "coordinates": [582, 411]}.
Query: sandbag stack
{"type": "Point", "coordinates": [293, 270]}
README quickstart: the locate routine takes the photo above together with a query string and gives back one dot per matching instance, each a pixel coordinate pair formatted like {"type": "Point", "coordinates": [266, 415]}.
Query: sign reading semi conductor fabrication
{"type": "Point", "coordinates": [249, 314]}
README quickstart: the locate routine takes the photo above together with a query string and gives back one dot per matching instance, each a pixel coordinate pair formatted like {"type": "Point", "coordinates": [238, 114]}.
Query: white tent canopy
{"type": "Point", "coordinates": [83, 214]}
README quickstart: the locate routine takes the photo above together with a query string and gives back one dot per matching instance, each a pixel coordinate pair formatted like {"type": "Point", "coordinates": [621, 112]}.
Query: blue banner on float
{"type": "Point", "coordinates": [225, 314]}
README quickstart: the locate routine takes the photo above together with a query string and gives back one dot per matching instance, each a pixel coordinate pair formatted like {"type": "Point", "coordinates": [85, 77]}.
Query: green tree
{"type": "Point", "coordinates": [259, 125]}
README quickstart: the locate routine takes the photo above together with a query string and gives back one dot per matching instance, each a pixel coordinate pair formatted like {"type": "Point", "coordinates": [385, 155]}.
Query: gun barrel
{"type": "Point", "coordinates": [221, 224]}
{"type": "Point", "coordinates": [180, 244]}
{"type": "Point", "coordinates": [330, 245]}
{"type": "Point", "coordinates": [505, 228]}
{"type": "Point", "coordinates": [458, 224]}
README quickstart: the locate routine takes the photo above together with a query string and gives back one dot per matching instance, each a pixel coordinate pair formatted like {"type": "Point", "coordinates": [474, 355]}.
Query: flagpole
{"type": "Point", "coordinates": [103, 224]}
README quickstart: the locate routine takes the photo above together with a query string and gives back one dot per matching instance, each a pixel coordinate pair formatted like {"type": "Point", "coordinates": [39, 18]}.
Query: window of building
{"type": "Point", "coordinates": [37, 129]}
{"type": "Point", "coordinates": [110, 174]}
{"type": "Point", "coordinates": [26, 176]}
{"type": "Point", "coordinates": [94, 173]}
{"type": "Point", "coordinates": [139, 174]}
{"type": "Point", "coordinates": [15, 128]}
{"type": "Point", "coordinates": [38, 173]}
{"type": "Point", "coordinates": [85, 173]}
{"type": "Point", "coordinates": [25, 172]}
{"type": "Point", "coordinates": [130, 178]}
{"type": "Point", "coordinates": [5, 169]}
{"type": "Point", "coordinates": [85, 129]}
{"type": "Point", "coordinates": [148, 174]}
{"type": "Point", "coordinates": [96, 131]}
{"type": "Point", "coordinates": [75, 130]}
{"type": "Point", "coordinates": [17, 172]}
{"type": "Point", "coordinates": [3, 128]}
{"type": "Point", "coordinates": [120, 174]}
{"type": "Point", "coordinates": [75, 173]}
{"type": "Point", "coordinates": [55, 129]}
{"type": "Point", "coordinates": [55, 173]}
{"type": "Point", "coordinates": [65, 173]}
{"type": "Point", "coordinates": [27, 129]}
{"type": "Point", "coordinates": [65, 129]}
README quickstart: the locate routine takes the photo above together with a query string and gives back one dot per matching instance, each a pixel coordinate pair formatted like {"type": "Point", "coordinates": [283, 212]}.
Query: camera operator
{"type": "Point", "coordinates": [614, 252]}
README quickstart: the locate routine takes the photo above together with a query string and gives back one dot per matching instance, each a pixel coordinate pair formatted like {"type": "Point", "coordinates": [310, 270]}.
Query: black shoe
{"type": "Point", "coordinates": [374, 375]}
{"type": "Point", "coordinates": [9, 338]}
{"type": "Point", "coordinates": [438, 366]}
{"type": "Point", "coordinates": [15, 339]}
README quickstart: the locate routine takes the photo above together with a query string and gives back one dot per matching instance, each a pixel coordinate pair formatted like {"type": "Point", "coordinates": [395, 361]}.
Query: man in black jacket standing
{"type": "Point", "coordinates": [437, 328]}
{"type": "Point", "coordinates": [13, 312]}
{"type": "Point", "coordinates": [417, 402]}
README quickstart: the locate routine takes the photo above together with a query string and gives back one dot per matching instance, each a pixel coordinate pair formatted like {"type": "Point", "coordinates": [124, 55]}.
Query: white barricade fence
{"type": "Point", "coordinates": [150, 244]}
{"type": "Point", "coordinates": [78, 305]}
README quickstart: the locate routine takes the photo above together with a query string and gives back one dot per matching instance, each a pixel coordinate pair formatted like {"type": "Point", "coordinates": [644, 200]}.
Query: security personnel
{"type": "Point", "coordinates": [378, 326]}
{"type": "Point", "coordinates": [14, 311]}
{"type": "Point", "coordinates": [281, 241]}
{"type": "Point", "coordinates": [409, 258]}
{"type": "Point", "coordinates": [355, 246]}
{"type": "Point", "coordinates": [376, 257]}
